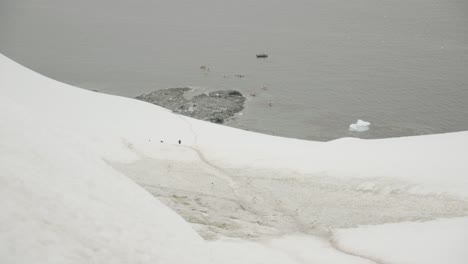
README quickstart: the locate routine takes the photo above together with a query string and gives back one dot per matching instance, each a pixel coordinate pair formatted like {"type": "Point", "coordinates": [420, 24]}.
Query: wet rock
{"type": "Point", "coordinates": [216, 106]}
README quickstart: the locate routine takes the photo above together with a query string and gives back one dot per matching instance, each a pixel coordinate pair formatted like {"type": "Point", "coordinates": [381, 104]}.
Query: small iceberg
{"type": "Point", "coordinates": [359, 126]}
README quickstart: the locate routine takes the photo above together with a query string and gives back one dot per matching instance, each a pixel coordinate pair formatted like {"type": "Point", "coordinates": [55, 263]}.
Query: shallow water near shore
{"type": "Point", "coordinates": [401, 65]}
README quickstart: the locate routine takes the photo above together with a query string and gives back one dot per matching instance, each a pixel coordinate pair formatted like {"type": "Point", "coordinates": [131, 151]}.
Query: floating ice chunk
{"type": "Point", "coordinates": [362, 123]}
{"type": "Point", "coordinates": [359, 126]}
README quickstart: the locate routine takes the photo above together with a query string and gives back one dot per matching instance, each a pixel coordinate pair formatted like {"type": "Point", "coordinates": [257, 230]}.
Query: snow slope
{"type": "Point", "coordinates": [440, 241]}
{"type": "Point", "coordinates": [60, 203]}
{"type": "Point", "coordinates": [66, 156]}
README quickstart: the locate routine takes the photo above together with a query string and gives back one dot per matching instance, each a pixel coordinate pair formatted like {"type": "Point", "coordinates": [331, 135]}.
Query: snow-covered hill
{"type": "Point", "coordinates": [74, 166]}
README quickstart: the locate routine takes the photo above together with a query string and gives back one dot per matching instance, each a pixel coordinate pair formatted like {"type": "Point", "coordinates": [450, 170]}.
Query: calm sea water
{"type": "Point", "coordinates": [400, 64]}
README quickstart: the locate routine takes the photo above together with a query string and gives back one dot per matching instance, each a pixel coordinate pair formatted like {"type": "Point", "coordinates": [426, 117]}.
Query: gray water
{"type": "Point", "coordinates": [400, 64]}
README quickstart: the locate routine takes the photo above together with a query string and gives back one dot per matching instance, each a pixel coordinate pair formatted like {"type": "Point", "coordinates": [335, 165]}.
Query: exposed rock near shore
{"type": "Point", "coordinates": [215, 106]}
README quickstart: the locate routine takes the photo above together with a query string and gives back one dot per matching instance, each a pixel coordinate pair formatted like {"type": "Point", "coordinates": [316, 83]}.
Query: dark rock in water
{"type": "Point", "coordinates": [215, 106]}
{"type": "Point", "coordinates": [172, 99]}
{"type": "Point", "coordinates": [263, 55]}
{"type": "Point", "coordinates": [216, 120]}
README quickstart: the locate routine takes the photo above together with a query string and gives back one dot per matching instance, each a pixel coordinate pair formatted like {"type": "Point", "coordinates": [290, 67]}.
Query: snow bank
{"type": "Point", "coordinates": [359, 126]}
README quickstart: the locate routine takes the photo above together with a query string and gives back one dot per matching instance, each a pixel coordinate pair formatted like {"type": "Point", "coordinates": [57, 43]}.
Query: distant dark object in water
{"type": "Point", "coordinates": [239, 75]}
{"type": "Point", "coordinates": [262, 56]}
{"type": "Point", "coordinates": [180, 141]}
{"type": "Point", "coordinates": [204, 68]}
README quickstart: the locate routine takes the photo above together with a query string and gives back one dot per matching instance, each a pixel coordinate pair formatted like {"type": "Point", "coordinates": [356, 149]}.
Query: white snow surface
{"type": "Point", "coordinates": [359, 126]}
{"type": "Point", "coordinates": [72, 162]}
{"type": "Point", "coordinates": [439, 241]}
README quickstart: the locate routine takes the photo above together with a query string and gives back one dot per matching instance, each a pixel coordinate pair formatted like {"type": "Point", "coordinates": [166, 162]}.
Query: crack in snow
{"type": "Point", "coordinates": [334, 243]}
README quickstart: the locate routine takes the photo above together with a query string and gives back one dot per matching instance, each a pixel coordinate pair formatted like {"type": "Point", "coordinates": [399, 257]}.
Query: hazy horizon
{"type": "Point", "coordinates": [400, 65]}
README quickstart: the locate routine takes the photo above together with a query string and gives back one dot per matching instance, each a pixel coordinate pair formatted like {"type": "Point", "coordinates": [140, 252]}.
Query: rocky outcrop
{"type": "Point", "coordinates": [215, 106]}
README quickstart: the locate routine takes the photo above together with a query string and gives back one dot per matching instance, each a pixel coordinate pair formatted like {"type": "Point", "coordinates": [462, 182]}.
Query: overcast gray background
{"type": "Point", "coordinates": [400, 64]}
